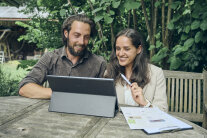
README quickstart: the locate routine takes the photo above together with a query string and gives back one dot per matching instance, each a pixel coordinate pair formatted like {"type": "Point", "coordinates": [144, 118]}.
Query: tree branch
{"type": "Point", "coordinates": [134, 19]}
{"type": "Point", "coordinates": [168, 20]}
{"type": "Point", "coordinates": [73, 9]}
{"type": "Point", "coordinates": [163, 21]}
{"type": "Point", "coordinates": [154, 24]}
{"type": "Point", "coordinates": [146, 19]}
{"type": "Point", "coordinates": [100, 32]}
{"type": "Point", "coordinates": [129, 19]}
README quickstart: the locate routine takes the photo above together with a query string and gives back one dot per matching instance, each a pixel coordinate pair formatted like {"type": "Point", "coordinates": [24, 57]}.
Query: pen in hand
{"type": "Point", "coordinates": [130, 84]}
{"type": "Point", "coordinates": [126, 79]}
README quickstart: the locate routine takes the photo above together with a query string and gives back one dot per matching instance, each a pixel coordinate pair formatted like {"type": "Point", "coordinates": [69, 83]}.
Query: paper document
{"type": "Point", "coordinates": [152, 120]}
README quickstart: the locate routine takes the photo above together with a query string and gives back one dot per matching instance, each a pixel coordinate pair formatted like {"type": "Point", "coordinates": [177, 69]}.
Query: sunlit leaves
{"type": "Point", "coordinates": [108, 19]}
{"type": "Point", "coordinates": [98, 18]}
{"type": "Point", "coordinates": [131, 4]}
{"type": "Point", "coordinates": [115, 4]}
{"type": "Point", "coordinates": [63, 12]}
{"type": "Point", "coordinates": [97, 9]}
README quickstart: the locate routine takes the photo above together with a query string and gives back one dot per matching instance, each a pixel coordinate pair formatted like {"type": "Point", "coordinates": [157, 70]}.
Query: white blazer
{"type": "Point", "coordinates": [154, 91]}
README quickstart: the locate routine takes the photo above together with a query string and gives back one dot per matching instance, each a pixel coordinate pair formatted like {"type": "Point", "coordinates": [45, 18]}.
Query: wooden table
{"type": "Point", "coordinates": [23, 117]}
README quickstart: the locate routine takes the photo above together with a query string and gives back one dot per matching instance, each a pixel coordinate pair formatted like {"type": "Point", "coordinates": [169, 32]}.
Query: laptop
{"type": "Point", "coordinates": [83, 95]}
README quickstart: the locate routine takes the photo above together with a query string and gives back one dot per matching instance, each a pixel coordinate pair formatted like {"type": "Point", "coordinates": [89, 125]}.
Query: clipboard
{"type": "Point", "coordinates": [166, 130]}
{"type": "Point", "coordinates": [152, 120]}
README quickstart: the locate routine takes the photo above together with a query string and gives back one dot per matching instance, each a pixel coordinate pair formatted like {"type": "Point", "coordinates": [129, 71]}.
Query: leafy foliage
{"type": "Point", "coordinates": [26, 64]}
{"type": "Point", "coordinates": [187, 28]}
{"type": "Point", "coordinates": [8, 86]}
{"type": "Point", "coordinates": [189, 52]}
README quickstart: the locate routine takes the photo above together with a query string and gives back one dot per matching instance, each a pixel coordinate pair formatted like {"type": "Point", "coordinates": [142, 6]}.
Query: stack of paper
{"type": "Point", "coordinates": [152, 120]}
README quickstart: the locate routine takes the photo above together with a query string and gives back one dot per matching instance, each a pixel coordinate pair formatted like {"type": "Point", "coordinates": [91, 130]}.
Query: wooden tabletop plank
{"type": "Point", "coordinates": [38, 122]}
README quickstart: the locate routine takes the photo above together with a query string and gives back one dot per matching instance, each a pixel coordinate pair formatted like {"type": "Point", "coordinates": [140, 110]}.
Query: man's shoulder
{"type": "Point", "coordinates": [97, 58]}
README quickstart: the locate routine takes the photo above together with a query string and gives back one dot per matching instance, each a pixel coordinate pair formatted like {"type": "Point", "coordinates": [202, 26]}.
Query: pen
{"type": "Point", "coordinates": [126, 79]}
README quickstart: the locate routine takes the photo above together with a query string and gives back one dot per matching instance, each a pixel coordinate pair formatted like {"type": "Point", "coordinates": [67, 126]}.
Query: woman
{"type": "Point", "coordinates": [148, 88]}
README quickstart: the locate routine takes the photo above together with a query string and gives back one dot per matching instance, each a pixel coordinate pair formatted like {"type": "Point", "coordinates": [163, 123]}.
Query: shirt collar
{"type": "Point", "coordinates": [63, 52]}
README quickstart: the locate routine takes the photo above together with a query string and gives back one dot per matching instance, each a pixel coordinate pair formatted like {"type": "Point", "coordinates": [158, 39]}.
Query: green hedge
{"type": "Point", "coordinates": [8, 86]}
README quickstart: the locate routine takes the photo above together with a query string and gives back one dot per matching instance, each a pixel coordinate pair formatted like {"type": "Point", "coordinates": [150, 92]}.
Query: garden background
{"type": "Point", "coordinates": [175, 31]}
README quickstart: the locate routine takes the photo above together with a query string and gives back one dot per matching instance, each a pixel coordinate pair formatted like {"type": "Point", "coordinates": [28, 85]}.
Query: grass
{"type": "Point", "coordinates": [10, 69]}
{"type": "Point", "coordinates": [10, 78]}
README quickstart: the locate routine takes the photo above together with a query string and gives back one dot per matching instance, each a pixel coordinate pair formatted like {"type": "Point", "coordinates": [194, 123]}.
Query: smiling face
{"type": "Point", "coordinates": [78, 37]}
{"type": "Point", "coordinates": [126, 52]}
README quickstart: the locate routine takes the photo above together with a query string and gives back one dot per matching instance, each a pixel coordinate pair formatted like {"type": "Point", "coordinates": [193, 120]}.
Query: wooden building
{"type": "Point", "coordinates": [10, 32]}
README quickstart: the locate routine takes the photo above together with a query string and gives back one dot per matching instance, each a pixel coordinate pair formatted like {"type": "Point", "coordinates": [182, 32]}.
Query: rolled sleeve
{"type": "Point", "coordinates": [39, 71]}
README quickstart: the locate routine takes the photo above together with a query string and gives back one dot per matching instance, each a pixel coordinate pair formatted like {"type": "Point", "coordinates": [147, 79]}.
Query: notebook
{"type": "Point", "coordinates": [83, 95]}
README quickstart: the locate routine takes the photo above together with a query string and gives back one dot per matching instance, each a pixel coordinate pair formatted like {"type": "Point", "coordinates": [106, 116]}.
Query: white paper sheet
{"type": "Point", "coordinates": [152, 120]}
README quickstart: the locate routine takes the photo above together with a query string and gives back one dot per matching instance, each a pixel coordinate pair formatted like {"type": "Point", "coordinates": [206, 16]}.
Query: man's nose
{"type": "Point", "coordinates": [81, 41]}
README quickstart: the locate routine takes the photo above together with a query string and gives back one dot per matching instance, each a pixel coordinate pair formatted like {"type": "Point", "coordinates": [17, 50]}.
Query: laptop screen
{"type": "Point", "coordinates": [83, 95]}
{"type": "Point", "coordinates": [82, 85]}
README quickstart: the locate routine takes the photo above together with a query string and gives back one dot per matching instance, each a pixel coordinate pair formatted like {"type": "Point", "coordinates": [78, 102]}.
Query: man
{"type": "Point", "coordinates": [71, 60]}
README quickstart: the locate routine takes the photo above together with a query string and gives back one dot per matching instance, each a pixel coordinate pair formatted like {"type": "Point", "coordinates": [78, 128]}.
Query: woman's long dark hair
{"type": "Point", "coordinates": [140, 67]}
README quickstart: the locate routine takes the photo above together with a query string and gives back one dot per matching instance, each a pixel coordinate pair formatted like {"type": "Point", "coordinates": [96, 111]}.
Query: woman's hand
{"type": "Point", "coordinates": [137, 94]}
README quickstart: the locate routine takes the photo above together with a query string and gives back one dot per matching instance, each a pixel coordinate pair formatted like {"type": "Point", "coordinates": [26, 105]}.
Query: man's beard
{"type": "Point", "coordinates": [73, 52]}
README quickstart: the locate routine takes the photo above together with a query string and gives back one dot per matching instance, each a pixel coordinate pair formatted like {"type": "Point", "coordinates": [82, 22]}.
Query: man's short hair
{"type": "Point", "coordinates": [79, 17]}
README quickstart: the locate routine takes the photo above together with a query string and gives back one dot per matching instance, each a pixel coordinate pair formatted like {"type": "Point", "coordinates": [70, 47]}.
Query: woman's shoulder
{"type": "Point", "coordinates": [153, 68]}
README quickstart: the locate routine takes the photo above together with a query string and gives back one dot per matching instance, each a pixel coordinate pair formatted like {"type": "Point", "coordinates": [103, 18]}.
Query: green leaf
{"type": "Point", "coordinates": [198, 37]}
{"type": "Point", "coordinates": [204, 16]}
{"type": "Point", "coordinates": [157, 3]}
{"type": "Point", "coordinates": [170, 25]}
{"type": "Point", "coordinates": [175, 63]}
{"type": "Point", "coordinates": [176, 17]}
{"type": "Point", "coordinates": [174, 5]}
{"type": "Point", "coordinates": [111, 12]}
{"type": "Point", "coordinates": [151, 47]}
{"type": "Point", "coordinates": [195, 25]}
{"type": "Point", "coordinates": [179, 30]}
{"type": "Point", "coordinates": [160, 55]}
{"type": "Point", "coordinates": [157, 36]}
{"type": "Point", "coordinates": [63, 12]}
{"type": "Point", "coordinates": [178, 50]}
{"type": "Point", "coordinates": [130, 4]}
{"type": "Point", "coordinates": [188, 43]}
{"type": "Point", "coordinates": [54, 12]}
{"type": "Point", "coordinates": [96, 10]}
{"type": "Point", "coordinates": [98, 18]}
{"type": "Point", "coordinates": [22, 24]}
{"type": "Point", "coordinates": [158, 44]}
{"type": "Point", "coordinates": [108, 19]}
{"type": "Point", "coordinates": [187, 11]}
{"type": "Point", "coordinates": [203, 25]}
{"type": "Point", "coordinates": [195, 14]}
{"type": "Point", "coordinates": [187, 29]}
{"type": "Point", "coordinates": [184, 37]}
{"type": "Point", "coordinates": [39, 2]}
{"type": "Point", "coordinates": [104, 1]}
{"type": "Point", "coordinates": [116, 4]}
